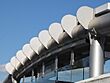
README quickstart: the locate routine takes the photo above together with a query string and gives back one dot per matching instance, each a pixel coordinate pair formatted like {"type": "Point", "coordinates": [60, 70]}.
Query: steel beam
{"type": "Point", "coordinates": [43, 69]}
{"type": "Point", "coordinates": [32, 77]}
{"type": "Point", "coordinates": [23, 79]}
{"type": "Point", "coordinates": [72, 58]}
{"type": "Point", "coordinates": [56, 63]}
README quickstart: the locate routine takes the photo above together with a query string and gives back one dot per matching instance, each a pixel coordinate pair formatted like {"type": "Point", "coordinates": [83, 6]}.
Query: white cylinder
{"type": "Point", "coordinates": [69, 22]}
{"type": "Point", "coordinates": [9, 68]}
{"type": "Point", "coordinates": [21, 57]}
{"type": "Point", "coordinates": [46, 39]}
{"type": "Point", "coordinates": [36, 45]}
{"type": "Point", "coordinates": [15, 62]}
{"type": "Point", "coordinates": [28, 51]}
{"type": "Point", "coordinates": [57, 32]}
{"type": "Point", "coordinates": [84, 15]}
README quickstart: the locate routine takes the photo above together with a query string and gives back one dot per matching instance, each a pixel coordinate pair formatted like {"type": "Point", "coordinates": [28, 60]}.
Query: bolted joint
{"type": "Point", "coordinates": [93, 33]}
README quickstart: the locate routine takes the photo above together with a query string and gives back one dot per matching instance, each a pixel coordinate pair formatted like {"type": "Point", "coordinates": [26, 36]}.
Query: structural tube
{"type": "Point", "coordinates": [101, 23]}
{"type": "Point", "coordinates": [96, 59]}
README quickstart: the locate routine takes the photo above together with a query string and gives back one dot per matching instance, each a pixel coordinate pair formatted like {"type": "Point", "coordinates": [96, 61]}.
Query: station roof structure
{"type": "Point", "coordinates": [72, 28]}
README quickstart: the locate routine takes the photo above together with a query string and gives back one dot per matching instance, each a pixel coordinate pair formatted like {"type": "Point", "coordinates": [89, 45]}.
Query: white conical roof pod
{"type": "Point", "coordinates": [57, 32]}
{"type": "Point", "coordinates": [84, 15]}
{"type": "Point", "coordinates": [28, 51]}
{"type": "Point", "coordinates": [36, 45]}
{"type": "Point", "coordinates": [21, 57]}
{"type": "Point", "coordinates": [46, 39]}
{"type": "Point", "coordinates": [68, 23]}
{"type": "Point", "coordinates": [9, 68]}
{"type": "Point", "coordinates": [15, 62]}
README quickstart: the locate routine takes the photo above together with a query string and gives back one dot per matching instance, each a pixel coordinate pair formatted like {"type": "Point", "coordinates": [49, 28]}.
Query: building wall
{"type": "Point", "coordinates": [105, 78]}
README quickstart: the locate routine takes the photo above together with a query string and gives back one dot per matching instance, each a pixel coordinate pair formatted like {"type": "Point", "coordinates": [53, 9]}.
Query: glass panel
{"type": "Point", "coordinates": [107, 66]}
{"type": "Point", "coordinates": [46, 78]}
{"type": "Point", "coordinates": [49, 67]}
{"type": "Point", "coordinates": [67, 73]}
{"type": "Point", "coordinates": [72, 75]}
{"type": "Point", "coordinates": [107, 62]}
{"type": "Point", "coordinates": [28, 80]}
{"type": "Point", "coordinates": [79, 71]}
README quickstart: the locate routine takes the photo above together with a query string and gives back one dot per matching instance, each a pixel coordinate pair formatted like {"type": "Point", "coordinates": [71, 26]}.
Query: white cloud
{"type": "Point", "coordinates": [2, 68]}
{"type": "Point", "coordinates": [1, 81]}
{"type": "Point", "coordinates": [3, 73]}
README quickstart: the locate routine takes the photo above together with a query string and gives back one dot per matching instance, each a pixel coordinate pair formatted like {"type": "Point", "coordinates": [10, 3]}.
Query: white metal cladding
{"type": "Point", "coordinates": [56, 30]}
{"type": "Point", "coordinates": [36, 45]}
{"type": "Point", "coordinates": [46, 39]}
{"type": "Point", "coordinates": [21, 57]}
{"type": "Point", "coordinates": [102, 8]}
{"type": "Point", "coordinates": [15, 62]}
{"type": "Point", "coordinates": [69, 22]}
{"type": "Point", "coordinates": [28, 51]}
{"type": "Point", "coordinates": [84, 15]}
{"type": "Point", "coordinates": [9, 68]}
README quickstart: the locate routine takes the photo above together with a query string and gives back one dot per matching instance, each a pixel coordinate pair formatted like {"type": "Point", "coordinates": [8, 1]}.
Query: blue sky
{"type": "Point", "coordinates": [20, 20]}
